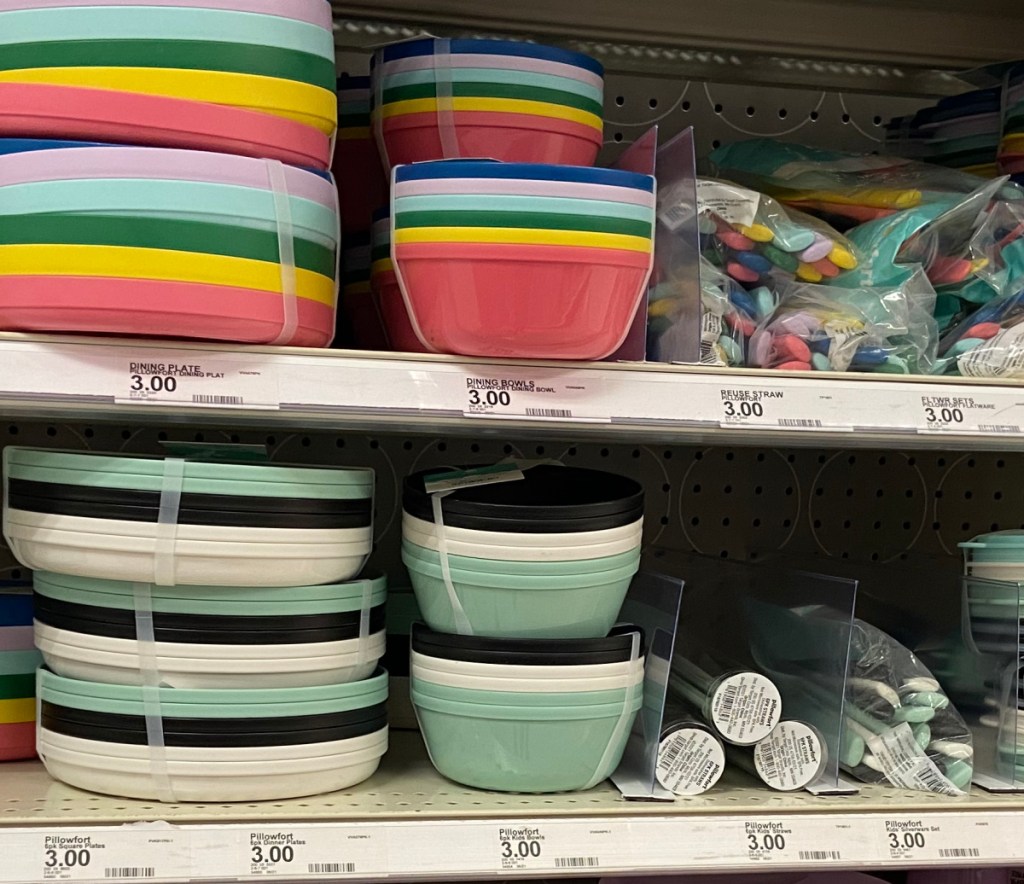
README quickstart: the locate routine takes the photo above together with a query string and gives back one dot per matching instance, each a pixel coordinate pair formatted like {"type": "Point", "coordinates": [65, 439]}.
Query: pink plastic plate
{"type": "Point", "coordinates": [395, 314]}
{"type": "Point", "coordinates": [315, 12]}
{"type": "Point", "coordinates": [154, 308]}
{"type": "Point", "coordinates": [75, 113]}
{"type": "Point", "coordinates": [17, 740]}
{"type": "Point", "coordinates": [157, 163]}
{"type": "Point", "coordinates": [512, 138]}
{"type": "Point", "coordinates": [528, 302]}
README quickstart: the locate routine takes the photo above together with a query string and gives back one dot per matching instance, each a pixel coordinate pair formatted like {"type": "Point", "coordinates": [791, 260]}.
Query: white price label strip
{"type": "Point", "coordinates": [985, 415]}
{"type": "Point", "coordinates": [213, 383]}
{"type": "Point", "coordinates": [955, 842]}
{"type": "Point", "coordinates": [125, 854]}
{"type": "Point", "coordinates": [542, 394]}
{"type": "Point", "coordinates": [767, 406]}
{"type": "Point", "coordinates": [791, 842]}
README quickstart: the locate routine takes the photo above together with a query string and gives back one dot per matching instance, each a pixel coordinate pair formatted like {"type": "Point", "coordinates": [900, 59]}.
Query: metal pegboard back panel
{"type": "Point", "coordinates": [721, 112]}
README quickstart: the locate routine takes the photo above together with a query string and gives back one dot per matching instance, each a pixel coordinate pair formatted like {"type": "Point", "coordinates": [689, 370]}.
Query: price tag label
{"type": "Point", "coordinates": [789, 842]}
{"type": "Point", "coordinates": [969, 414]}
{"type": "Point", "coordinates": [104, 855]}
{"type": "Point", "coordinates": [210, 383]}
{"type": "Point", "coordinates": [566, 847]}
{"type": "Point", "coordinates": [915, 839]}
{"type": "Point", "coordinates": [315, 851]}
{"type": "Point", "coordinates": [767, 407]}
{"type": "Point", "coordinates": [536, 395]}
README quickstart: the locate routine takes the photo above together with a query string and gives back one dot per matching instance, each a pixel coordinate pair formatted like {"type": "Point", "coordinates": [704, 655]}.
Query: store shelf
{"type": "Point", "coordinates": [946, 33]}
{"type": "Point", "coordinates": [120, 379]}
{"type": "Point", "coordinates": [407, 822]}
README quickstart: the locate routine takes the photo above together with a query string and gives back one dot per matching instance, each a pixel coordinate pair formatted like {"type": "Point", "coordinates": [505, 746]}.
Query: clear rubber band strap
{"type": "Point", "coordinates": [462, 625]}
{"type": "Point", "coordinates": [285, 250]}
{"type": "Point", "coordinates": [167, 521]}
{"type": "Point", "coordinates": [364, 621]}
{"type": "Point", "coordinates": [377, 118]}
{"type": "Point", "coordinates": [445, 99]}
{"type": "Point", "coordinates": [149, 669]}
{"type": "Point", "coordinates": [616, 740]}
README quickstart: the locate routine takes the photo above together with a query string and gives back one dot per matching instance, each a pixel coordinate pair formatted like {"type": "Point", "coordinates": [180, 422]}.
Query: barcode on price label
{"type": "Point", "coordinates": [728, 701]}
{"type": "Point", "coordinates": [576, 862]}
{"type": "Point", "coordinates": [819, 855]}
{"type": "Point", "coordinates": [800, 423]}
{"type": "Point", "coordinates": [959, 852]}
{"type": "Point", "coordinates": [130, 872]}
{"type": "Point", "coordinates": [204, 399]}
{"type": "Point", "coordinates": [998, 428]}
{"type": "Point", "coordinates": [331, 868]}
{"type": "Point", "coordinates": [548, 412]}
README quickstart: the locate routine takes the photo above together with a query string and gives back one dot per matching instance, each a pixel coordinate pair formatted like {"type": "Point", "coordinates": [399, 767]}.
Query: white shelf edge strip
{"type": "Point", "coordinates": [141, 374]}
{"type": "Point", "coordinates": [448, 849]}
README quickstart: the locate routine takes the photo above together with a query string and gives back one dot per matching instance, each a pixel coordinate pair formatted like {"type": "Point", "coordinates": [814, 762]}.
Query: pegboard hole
{"type": "Point", "coordinates": [340, 443]}
{"type": "Point", "coordinates": [51, 431]}
{"type": "Point", "coordinates": [783, 113]}
{"type": "Point", "coordinates": [718, 108]}
{"type": "Point", "coordinates": [685, 105]}
{"type": "Point", "coordinates": [617, 137]}
{"type": "Point", "coordinates": [845, 118]}
{"type": "Point", "coordinates": [620, 100]}
{"type": "Point", "coordinates": [696, 489]}
{"type": "Point", "coordinates": [306, 442]}
{"type": "Point", "coordinates": [750, 110]}
{"type": "Point", "coordinates": [715, 144]}
{"type": "Point", "coordinates": [813, 115]}
{"type": "Point", "coordinates": [877, 120]}
{"type": "Point", "coordinates": [652, 103]}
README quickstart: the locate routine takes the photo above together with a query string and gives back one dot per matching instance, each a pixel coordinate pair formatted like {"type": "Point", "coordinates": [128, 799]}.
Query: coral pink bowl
{"type": "Point", "coordinates": [513, 138]}
{"type": "Point", "coordinates": [29, 110]}
{"type": "Point", "coordinates": [395, 314]}
{"type": "Point", "coordinates": [17, 740]}
{"type": "Point", "coordinates": [529, 302]}
{"type": "Point", "coordinates": [155, 308]}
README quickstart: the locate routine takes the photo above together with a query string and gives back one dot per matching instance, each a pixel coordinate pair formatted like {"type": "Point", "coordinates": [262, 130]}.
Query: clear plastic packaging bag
{"type": "Point", "coordinates": [887, 329]}
{"type": "Point", "coordinates": [729, 316]}
{"type": "Point", "coordinates": [857, 187]}
{"type": "Point", "coordinates": [990, 342]}
{"type": "Point", "coordinates": [754, 240]}
{"type": "Point", "coordinates": [901, 728]}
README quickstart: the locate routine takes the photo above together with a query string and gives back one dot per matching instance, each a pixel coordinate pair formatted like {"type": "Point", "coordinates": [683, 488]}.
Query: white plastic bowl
{"type": "Point", "coordinates": [200, 562]}
{"type": "Point", "coordinates": [215, 753]}
{"type": "Point", "coordinates": [525, 684]}
{"type": "Point", "coordinates": [524, 554]}
{"type": "Point", "coordinates": [268, 780]}
{"type": "Point", "coordinates": [559, 544]}
{"type": "Point", "coordinates": [509, 670]}
{"type": "Point", "coordinates": [116, 661]}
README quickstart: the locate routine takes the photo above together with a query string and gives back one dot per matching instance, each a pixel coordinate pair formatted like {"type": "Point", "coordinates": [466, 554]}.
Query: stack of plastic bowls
{"type": "Point", "coordinates": [359, 305]}
{"type": "Point", "coordinates": [384, 283]}
{"type": "Point", "coordinates": [518, 102]}
{"type": "Point", "coordinates": [526, 715]}
{"type": "Point", "coordinates": [520, 260]}
{"type": "Point", "coordinates": [153, 241]}
{"type": "Point", "coordinates": [356, 160]}
{"type": "Point", "coordinates": [994, 591]}
{"type": "Point", "coordinates": [550, 555]}
{"type": "Point", "coordinates": [221, 745]}
{"type": "Point", "coordinates": [254, 77]}
{"type": "Point", "coordinates": [18, 662]}
{"type": "Point", "coordinates": [238, 524]}
{"type": "Point", "coordinates": [212, 636]}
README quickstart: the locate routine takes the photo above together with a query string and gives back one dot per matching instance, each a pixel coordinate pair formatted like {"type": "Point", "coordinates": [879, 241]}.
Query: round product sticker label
{"type": "Point", "coordinates": [745, 707]}
{"type": "Point", "coordinates": [690, 761]}
{"type": "Point", "coordinates": [791, 757]}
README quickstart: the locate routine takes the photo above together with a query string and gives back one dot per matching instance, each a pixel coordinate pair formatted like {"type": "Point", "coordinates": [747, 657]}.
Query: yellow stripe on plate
{"type": "Point", "coordinates": [517, 236]}
{"type": "Point", "coordinates": [306, 104]}
{"type": "Point", "coordinates": [18, 711]}
{"type": "Point", "coordinates": [502, 105]}
{"type": "Point", "coordinates": [135, 263]}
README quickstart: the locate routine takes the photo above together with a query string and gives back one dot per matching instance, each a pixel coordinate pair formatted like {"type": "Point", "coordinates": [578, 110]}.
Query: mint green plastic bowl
{"type": "Point", "coordinates": [234, 601]}
{"type": "Point", "coordinates": [520, 699]}
{"type": "Point", "coordinates": [521, 748]}
{"type": "Point", "coordinates": [519, 606]}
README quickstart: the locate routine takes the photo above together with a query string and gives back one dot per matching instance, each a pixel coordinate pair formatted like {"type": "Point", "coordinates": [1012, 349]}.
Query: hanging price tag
{"type": "Point", "coordinates": [211, 383]}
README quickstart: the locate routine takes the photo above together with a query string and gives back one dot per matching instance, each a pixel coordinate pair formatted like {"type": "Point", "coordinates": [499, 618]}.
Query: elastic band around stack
{"type": "Point", "coordinates": [624, 722]}
{"type": "Point", "coordinates": [364, 622]}
{"type": "Point", "coordinates": [285, 251]}
{"type": "Point", "coordinates": [445, 99]}
{"type": "Point", "coordinates": [462, 624]}
{"type": "Point", "coordinates": [167, 522]}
